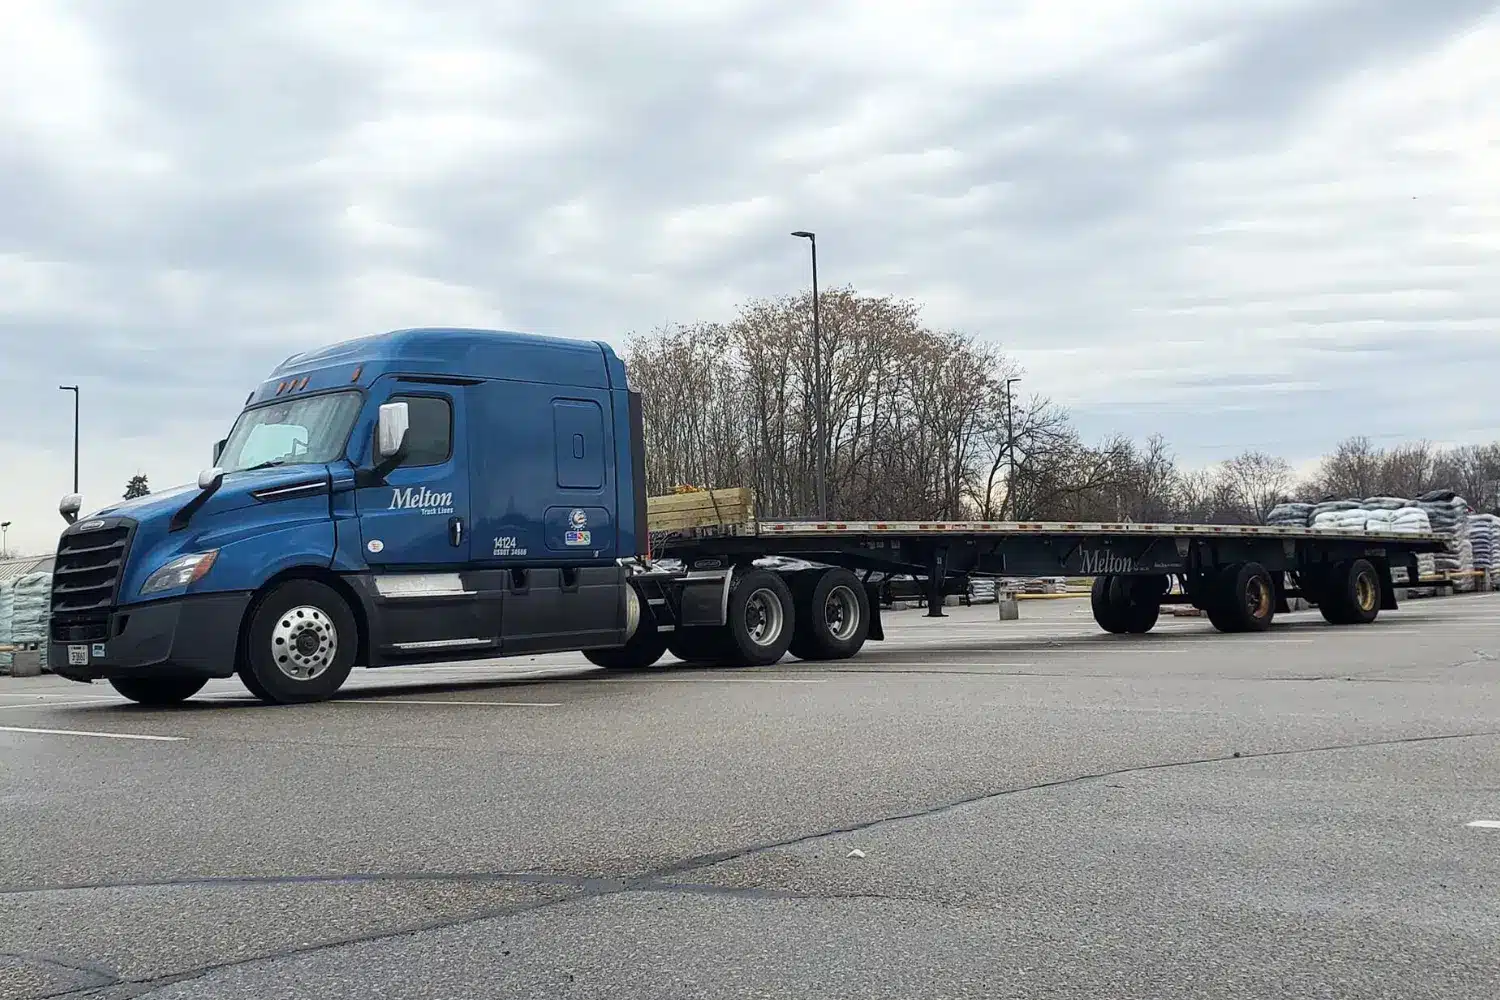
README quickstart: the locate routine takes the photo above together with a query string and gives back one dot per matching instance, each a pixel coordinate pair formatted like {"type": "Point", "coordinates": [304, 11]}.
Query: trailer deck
{"type": "Point", "coordinates": [1240, 574]}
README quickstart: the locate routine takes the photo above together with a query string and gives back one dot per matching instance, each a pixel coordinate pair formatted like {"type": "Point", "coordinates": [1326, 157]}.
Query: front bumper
{"type": "Point", "coordinates": [195, 635]}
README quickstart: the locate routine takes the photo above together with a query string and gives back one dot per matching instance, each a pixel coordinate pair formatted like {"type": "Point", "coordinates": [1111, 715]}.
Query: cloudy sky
{"type": "Point", "coordinates": [1269, 222]}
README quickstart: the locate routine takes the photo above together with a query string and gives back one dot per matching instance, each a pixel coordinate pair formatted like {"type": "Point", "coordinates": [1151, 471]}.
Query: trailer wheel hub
{"type": "Point", "coordinates": [764, 617]}
{"type": "Point", "coordinates": [841, 613]}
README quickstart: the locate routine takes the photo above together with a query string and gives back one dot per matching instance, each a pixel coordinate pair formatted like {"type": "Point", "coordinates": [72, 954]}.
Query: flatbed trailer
{"type": "Point", "coordinates": [721, 596]}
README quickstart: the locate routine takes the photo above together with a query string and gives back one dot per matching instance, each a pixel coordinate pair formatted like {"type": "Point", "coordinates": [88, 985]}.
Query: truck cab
{"type": "Point", "coordinates": [419, 495]}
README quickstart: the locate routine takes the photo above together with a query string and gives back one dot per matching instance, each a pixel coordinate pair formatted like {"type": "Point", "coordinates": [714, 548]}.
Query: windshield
{"type": "Point", "coordinates": [305, 431]}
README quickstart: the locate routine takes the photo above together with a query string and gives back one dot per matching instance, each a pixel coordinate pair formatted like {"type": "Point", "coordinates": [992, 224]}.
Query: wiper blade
{"type": "Point", "coordinates": [265, 465]}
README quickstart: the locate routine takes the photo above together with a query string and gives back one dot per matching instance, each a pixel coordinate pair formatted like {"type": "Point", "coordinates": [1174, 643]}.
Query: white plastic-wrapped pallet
{"type": "Point", "coordinates": [7, 609]}
{"type": "Point", "coordinates": [1341, 518]}
{"type": "Point", "coordinates": [31, 609]}
{"type": "Point", "coordinates": [1411, 521]}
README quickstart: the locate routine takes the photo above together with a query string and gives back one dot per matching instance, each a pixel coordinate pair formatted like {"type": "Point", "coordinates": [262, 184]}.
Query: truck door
{"type": "Point", "coordinates": [544, 510]}
{"type": "Point", "coordinates": [420, 516]}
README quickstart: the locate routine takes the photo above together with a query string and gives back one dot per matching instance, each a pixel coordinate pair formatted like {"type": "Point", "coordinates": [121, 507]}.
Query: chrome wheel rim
{"type": "Point", "coordinates": [764, 617]}
{"type": "Point", "coordinates": [304, 643]}
{"type": "Point", "coordinates": [841, 613]}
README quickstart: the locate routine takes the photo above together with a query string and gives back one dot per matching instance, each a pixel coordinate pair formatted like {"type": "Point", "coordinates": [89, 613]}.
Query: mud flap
{"type": "Point", "coordinates": [877, 630]}
{"type": "Point", "coordinates": [1387, 587]}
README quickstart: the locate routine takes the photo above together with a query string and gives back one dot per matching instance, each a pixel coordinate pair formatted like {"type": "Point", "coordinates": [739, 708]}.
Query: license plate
{"type": "Point", "coordinates": [78, 656]}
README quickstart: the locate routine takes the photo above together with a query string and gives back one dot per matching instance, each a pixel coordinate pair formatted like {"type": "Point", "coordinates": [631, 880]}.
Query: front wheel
{"type": "Point", "coordinates": [300, 644]}
{"type": "Point", "coordinates": [158, 690]}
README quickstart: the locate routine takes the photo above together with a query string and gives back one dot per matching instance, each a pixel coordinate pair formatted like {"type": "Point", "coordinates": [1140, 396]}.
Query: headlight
{"type": "Point", "coordinates": [179, 572]}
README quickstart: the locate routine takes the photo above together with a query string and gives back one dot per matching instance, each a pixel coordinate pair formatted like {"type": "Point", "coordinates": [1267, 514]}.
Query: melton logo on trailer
{"type": "Point", "coordinates": [1099, 562]}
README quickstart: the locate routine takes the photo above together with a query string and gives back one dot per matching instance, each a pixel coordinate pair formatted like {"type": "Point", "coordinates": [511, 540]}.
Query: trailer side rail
{"type": "Point", "coordinates": [765, 529]}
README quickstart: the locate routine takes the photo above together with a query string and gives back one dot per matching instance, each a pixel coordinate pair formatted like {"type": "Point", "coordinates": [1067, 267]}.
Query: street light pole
{"type": "Point", "coordinates": [4, 544]}
{"type": "Point", "coordinates": [1010, 448]}
{"type": "Point", "coordinates": [74, 390]}
{"type": "Point", "coordinates": [819, 434]}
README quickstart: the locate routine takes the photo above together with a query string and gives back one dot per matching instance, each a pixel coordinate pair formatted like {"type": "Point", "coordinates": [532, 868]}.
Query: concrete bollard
{"type": "Point", "coordinates": [26, 663]}
{"type": "Point", "coordinates": [1010, 608]}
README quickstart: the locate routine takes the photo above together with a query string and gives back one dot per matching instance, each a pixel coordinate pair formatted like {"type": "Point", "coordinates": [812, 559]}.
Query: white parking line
{"type": "Point", "coordinates": [396, 699]}
{"type": "Point", "coordinates": [80, 732]}
{"type": "Point", "coordinates": [1485, 824]}
{"type": "Point", "coordinates": [67, 704]}
{"type": "Point", "coordinates": [688, 678]}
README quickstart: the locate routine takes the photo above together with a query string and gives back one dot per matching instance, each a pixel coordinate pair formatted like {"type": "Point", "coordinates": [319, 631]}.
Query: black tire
{"type": "Point", "coordinates": [1351, 594]}
{"type": "Point", "coordinates": [642, 650]}
{"type": "Point", "coordinates": [253, 685]}
{"type": "Point", "coordinates": [158, 690]}
{"type": "Point", "coordinates": [1245, 599]}
{"type": "Point", "coordinates": [836, 593]}
{"type": "Point", "coordinates": [1105, 605]}
{"type": "Point", "coordinates": [762, 620]}
{"type": "Point", "coordinates": [306, 627]}
{"type": "Point", "coordinates": [699, 645]}
{"type": "Point", "coordinates": [1127, 605]}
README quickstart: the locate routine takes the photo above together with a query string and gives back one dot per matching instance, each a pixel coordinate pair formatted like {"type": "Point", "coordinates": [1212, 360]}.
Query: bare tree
{"type": "Point", "coordinates": [916, 427]}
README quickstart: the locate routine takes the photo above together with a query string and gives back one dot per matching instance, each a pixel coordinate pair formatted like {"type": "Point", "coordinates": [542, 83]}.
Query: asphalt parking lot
{"type": "Point", "coordinates": [972, 808]}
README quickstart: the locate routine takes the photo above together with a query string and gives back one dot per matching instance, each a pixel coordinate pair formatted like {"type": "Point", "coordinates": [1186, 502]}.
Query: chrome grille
{"type": "Point", "coordinates": [86, 577]}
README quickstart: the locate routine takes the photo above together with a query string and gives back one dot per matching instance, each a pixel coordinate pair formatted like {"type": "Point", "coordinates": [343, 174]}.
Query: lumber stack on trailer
{"type": "Point", "coordinates": [700, 508]}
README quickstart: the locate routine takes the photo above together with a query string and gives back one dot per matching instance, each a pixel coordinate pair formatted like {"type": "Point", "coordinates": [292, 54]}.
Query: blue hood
{"type": "Point", "coordinates": [232, 495]}
{"type": "Point", "coordinates": [233, 522]}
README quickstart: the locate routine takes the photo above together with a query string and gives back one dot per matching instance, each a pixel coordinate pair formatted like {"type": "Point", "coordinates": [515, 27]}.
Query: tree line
{"type": "Point", "coordinates": [921, 423]}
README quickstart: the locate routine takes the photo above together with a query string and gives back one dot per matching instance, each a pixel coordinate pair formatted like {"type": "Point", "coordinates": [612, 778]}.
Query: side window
{"type": "Point", "coordinates": [430, 439]}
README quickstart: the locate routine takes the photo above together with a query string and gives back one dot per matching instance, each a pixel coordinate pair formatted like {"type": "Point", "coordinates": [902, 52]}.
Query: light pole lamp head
{"type": "Point", "coordinates": [803, 234]}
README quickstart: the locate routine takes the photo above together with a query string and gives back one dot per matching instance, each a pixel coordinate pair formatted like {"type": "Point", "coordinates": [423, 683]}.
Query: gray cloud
{"type": "Point", "coordinates": [1188, 218]}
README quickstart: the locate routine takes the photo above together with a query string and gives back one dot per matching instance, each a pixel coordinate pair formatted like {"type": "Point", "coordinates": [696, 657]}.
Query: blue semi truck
{"type": "Point", "coordinates": [440, 494]}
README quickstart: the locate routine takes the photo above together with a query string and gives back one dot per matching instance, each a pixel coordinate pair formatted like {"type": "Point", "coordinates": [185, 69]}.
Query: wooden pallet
{"type": "Point", "coordinates": [697, 508]}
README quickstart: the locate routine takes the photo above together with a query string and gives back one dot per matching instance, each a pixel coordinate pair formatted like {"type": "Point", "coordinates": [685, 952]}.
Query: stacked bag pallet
{"type": "Point", "coordinates": [1448, 513]}
{"type": "Point", "coordinates": [1339, 515]}
{"type": "Point", "coordinates": [1482, 531]}
{"type": "Point", "coordinates": [1290, 515]}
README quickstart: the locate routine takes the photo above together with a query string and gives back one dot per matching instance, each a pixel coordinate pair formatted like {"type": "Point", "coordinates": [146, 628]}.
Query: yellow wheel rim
{"type": "Point", "coordinates": [1258, 598]}
{"type": "Point", "coordinates": [1365, 592]}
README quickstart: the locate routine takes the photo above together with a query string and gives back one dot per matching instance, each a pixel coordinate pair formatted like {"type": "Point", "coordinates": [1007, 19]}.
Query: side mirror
{"type": "Point", "coordinates": [390, 433]}
{"type": "Point", "coordinates": [219, 450]}
{"type": "Point", "coordinates": [209, 481]}
{"type": "Point", "coordinates": [69, 506]}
